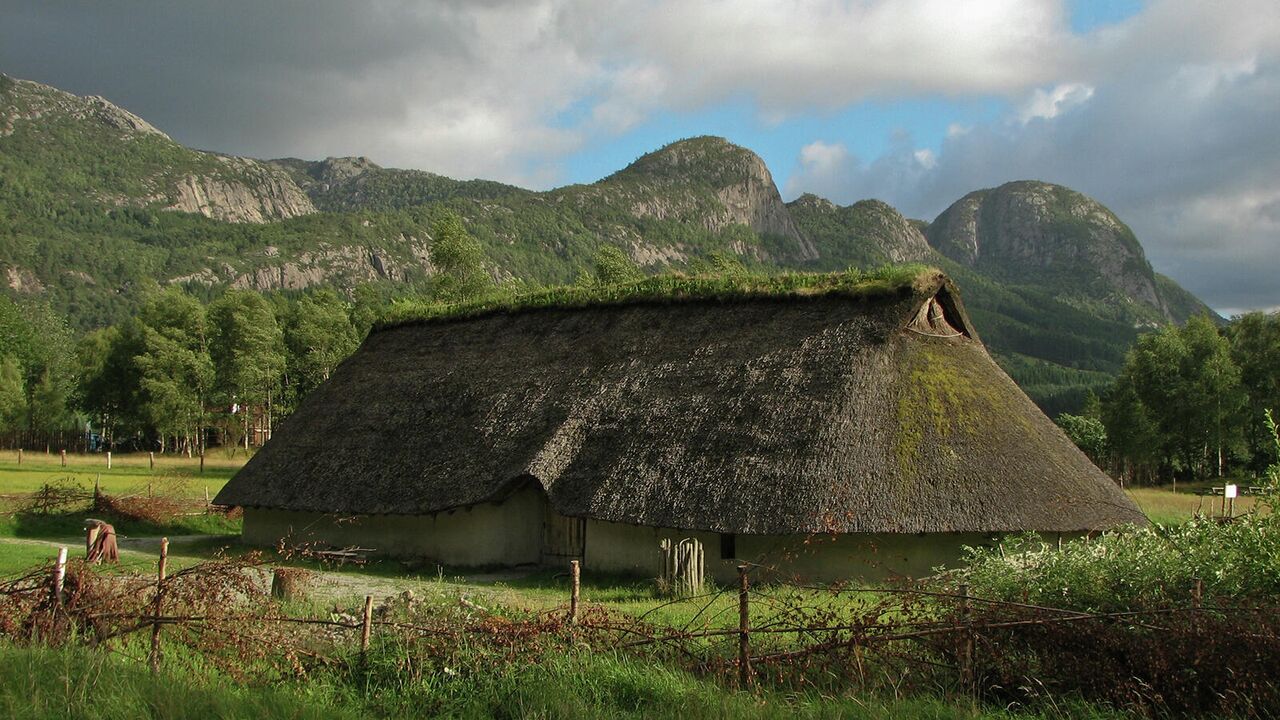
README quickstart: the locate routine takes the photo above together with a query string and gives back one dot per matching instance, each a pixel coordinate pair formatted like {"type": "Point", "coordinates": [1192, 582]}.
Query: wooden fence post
{"type": "Point", "coordinates": [366, 627]}
{"type": "Point", "coordinates": [151, 460]}
{"type": "Point", "coordinates": [966, 642]}
{"type": "Point", "coordinates": [744, 630]}
{"type": "Point", "coordinates": [108, 459]}
{"type": "Point", "coordinates": [155, 626]}
{"type": "Point", "coordinates": [202, 460]}
{"type": "Point", "coordinates": [19, 456]}
{"type": "Point", "coordinates": [63, 454]}
{"type": "Point", "coordinates": [575, 573]}
{"type": "Point", "coordinates": [59, 574]}
{"type": "Point", "coordinates": [206, 498]}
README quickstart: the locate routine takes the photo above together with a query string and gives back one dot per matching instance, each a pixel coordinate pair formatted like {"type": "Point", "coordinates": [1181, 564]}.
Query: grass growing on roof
{"type": "Point", "coordinates": [669, 287]}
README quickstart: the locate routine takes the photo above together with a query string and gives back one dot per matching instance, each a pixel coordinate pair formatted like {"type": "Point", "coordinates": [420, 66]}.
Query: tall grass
{"type": "Point", "coordinates": [38, 683]}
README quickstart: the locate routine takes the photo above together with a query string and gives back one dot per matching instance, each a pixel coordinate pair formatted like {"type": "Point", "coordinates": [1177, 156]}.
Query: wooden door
{"type": "Point", "coordinates": [563, 538]}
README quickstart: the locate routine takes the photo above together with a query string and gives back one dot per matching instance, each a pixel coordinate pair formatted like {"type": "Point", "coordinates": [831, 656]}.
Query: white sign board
{"type": "Point", "coordinates": [1229, 491]}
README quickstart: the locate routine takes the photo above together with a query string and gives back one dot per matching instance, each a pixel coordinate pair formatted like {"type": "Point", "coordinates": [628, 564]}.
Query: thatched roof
{"type": "Point", "coordinates": [809, 412]}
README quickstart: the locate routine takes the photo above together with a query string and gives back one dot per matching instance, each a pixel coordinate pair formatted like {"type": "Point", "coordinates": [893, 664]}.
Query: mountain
{"type": "Point", "coordinates": [1046, 235]}
{"type": "Point", "coordinates": [344, 184]}
{"type": "Point", "coordinates": [96, 205]}
{"type": "Point", "coordinates": [866, 233]}
{"type": "Point", "coordinates": [58, 144]}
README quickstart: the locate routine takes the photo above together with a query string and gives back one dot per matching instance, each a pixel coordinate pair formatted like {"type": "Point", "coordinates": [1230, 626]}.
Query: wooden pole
{"type": "Point", "coordinates": [19, 456]}
{"type": "Point", "coordinates": [155, 626]}
{"type": "Point", "coordinates": [966, 647]}
{"type": "Point", "coordinates": [206, 498]}
{"type": "Point", "coordinates": [59, 574]}
{"type": "Point", "coordinates": [744, 629]}
{"type": "Point", "coordinates": [148, 491]}
{"type": "Point", "coordinates": [108, 459]}
{"type": "Point", "coordinates": [366, 628]}
{"type": "Point", "coordinates": [151, 460]}
{"type": "Point", "coordinates": [575, 572]}
{"type": "Point", "coordinates": [63, 454]}
{"type": "Point", "coordinates": [201, 459]}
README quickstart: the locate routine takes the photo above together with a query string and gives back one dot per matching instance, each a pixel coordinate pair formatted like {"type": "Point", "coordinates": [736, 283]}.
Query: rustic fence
{"type": "Point", "coordinates": [1198, 654]}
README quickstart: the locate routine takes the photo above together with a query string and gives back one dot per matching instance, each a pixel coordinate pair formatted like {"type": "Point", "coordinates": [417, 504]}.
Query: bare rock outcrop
{"type": "Point", "coordinates": [248, 191]}
{"type": "Point", "coordinates": [1036, 232]}
{"type": "Point", "coordinates": [713, 183]}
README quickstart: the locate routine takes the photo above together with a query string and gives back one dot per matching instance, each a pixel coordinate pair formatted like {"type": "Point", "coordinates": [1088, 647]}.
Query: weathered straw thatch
{"type": "Point", "coordinates": [806, 413]}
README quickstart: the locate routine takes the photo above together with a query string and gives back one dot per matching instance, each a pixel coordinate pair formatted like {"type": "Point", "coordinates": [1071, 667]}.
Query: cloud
{"type": "Point", "coordinates": [818, 158]}
{"type": "Point", "coordinates": [1172, 126]}
{"type": "Point", "coordinates": [466, 89]}
{"type": "Point", "coordinates": [1048, 104]}
{"type": "Point", "coordinates": [479, 88]}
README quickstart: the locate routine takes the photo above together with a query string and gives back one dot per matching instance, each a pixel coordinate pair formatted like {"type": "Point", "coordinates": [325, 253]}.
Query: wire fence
{"type": "Point", "coordinates": [1195, 656]}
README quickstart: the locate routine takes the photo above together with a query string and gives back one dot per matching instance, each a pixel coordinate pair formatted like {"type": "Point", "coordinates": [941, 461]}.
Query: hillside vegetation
{"type": "Point", "coordinates": [97, 207]}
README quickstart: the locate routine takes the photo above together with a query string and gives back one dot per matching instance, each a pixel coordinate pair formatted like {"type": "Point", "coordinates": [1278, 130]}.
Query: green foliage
{"type": "Point", "coordinates": [318, 334]}
{"type": "Point", "coordinates": [1273, 471]}
{"type": "Point", "coordinates": [1089, 434]}
{"type": "Point", "coordinates": [1135, 567]}
{"type": "Point", "coordinates": [1132, 432]}
{"type": "Point", "coordinates": [176, 371]}
{"type": "Point", "coordinates": [615, 267]}
{"type": "Point", "coordinates": [1183, 380]}
{"type": "Point", "coordinates": [460, 260]}
{"type": "Point", "coordinates": [13, 395]}
{"type": "Point", "coordinates": [1255, 348]}
{"type": "Point", "coordinates": [48, 410]}
{"type": "Point", "coordinates": [248, 355]}
{"type": "Point", "coordinates": [110, 379]}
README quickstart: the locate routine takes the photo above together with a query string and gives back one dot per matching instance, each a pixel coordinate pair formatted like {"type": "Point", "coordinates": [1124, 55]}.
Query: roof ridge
{"type": "Point", "coordinates": [887, 282]}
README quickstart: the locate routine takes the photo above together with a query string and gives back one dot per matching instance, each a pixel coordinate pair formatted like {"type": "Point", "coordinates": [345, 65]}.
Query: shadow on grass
{"type": "Point", "coordinates": [63, 524]}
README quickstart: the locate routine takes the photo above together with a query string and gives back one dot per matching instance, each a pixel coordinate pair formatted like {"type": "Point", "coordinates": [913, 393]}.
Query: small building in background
{"type": "Point", "coordinates": [830, 429]}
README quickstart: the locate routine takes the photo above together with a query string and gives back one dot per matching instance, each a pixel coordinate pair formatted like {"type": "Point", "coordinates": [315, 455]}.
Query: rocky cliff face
{"type": "Point", "coordinates": [1035, 232]}
{"type": "Point", "coordinates": [714, 183]}
{"type": "Point", "coordinates": [249, 191]}
{"type": "Point", "coordinates": [869, 232]}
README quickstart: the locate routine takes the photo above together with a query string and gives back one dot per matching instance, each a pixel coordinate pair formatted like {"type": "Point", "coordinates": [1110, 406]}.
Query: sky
{"type": "Point", "coordinates": [1166, 111]}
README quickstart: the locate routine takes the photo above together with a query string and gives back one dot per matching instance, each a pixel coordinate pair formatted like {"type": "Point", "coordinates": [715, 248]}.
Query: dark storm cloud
{"type": "Point", "coordinates": [408, 83]}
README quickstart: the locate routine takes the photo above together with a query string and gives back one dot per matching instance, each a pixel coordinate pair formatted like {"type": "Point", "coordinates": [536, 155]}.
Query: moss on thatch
{"type": "Point", "coordinates": [673, 287]}
{"type": "Point", "coordinates": [794, 405]}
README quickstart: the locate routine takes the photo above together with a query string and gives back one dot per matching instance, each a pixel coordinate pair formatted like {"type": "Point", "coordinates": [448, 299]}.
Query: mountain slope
{"type": "Point", "coordinates": [55, 145]}
{"type": "Point", "coordinates": [1036, 233]}
{"type": "Point", "coordinates": [355, 183]}
{"type": "Point", "coordinates": [866, 233]}
{"type": "Point", "coordinates": [96, 205]}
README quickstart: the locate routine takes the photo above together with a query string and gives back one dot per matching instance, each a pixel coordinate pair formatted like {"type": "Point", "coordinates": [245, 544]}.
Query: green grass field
{"type": "Point", "coordinates": [1165, 506]}
{"type": "Point", "coordinates": [127, 474]}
